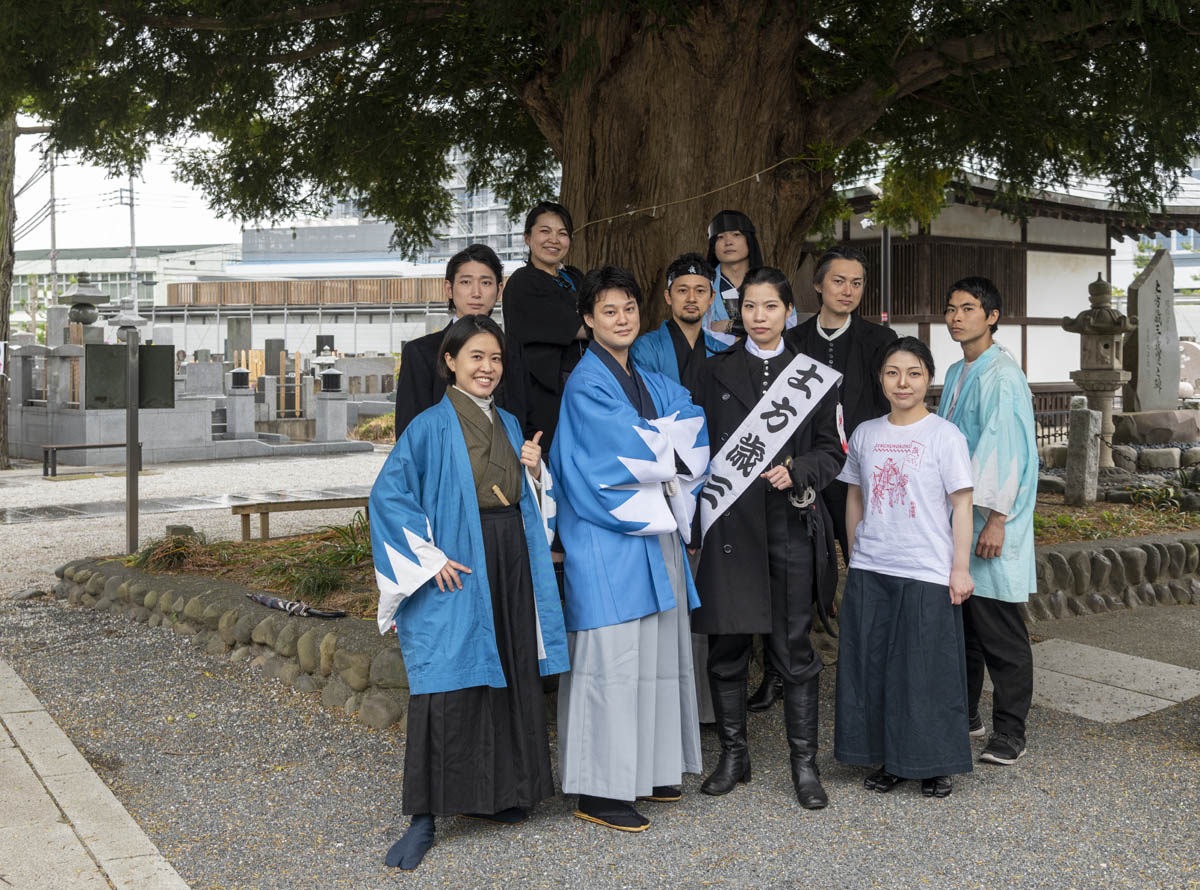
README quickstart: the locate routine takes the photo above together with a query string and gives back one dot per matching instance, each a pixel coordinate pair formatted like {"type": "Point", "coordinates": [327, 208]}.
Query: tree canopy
{"type": "Point", "coordinates": [680, 108]}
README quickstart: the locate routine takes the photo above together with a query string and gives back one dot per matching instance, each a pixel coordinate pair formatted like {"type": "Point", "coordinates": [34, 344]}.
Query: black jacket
{"type": "Point", "coordinates": [861, 393]}
{"type": "Point", "coordinates": [733, 577]}
{"type": "Point", "coordinates": [419, 385]}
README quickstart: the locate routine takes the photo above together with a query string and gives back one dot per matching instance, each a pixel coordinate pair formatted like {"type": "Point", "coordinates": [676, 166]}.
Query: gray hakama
{"type": "Point", "coordinates": [627, 711]}
{"type": "Point", "coordinates": [700, 657]}
{"type": "Point", "coordinates": [901, 678]}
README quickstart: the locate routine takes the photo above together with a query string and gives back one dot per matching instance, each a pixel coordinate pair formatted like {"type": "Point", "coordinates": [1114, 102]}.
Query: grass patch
{"type": "Point", "coordinates": [1056, 523]}
{"type": "Point", "coordinates": [332, 566]}
{"type": "Point", "coordinates": [377, 429]}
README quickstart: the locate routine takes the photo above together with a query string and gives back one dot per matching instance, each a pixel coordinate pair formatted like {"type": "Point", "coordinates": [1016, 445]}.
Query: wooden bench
{"type": "Point", "coordinates": [264, 509]}
{"type": "Point", "coordinates": [50, 454]}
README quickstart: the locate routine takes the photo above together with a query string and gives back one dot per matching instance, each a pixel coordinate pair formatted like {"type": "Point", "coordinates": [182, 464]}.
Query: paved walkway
{"type": "Point", "coordinates": [60, 826]}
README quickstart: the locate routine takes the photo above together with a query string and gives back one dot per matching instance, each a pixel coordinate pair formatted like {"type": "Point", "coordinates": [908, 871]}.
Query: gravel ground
{"type": "Point", "coordinates": [243, 784]}
{"type": "Point", "coordinates": [30, 551]}
{"type": "Point", "coordinates": [246, 785]}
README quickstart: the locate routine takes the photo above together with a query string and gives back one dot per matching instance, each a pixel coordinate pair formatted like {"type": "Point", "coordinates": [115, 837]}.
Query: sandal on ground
{"type": "Point", "coordinates": [611, 813]}
{"type": "Point", "coordinates": [937, 786]}
{"type": "Point", "coordinates": [882, 781]}
{"type": "Point", "coordinates": [662, 794]}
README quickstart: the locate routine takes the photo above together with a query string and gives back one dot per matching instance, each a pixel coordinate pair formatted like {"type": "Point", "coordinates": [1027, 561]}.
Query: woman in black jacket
{"type": "Point", "coordinates": [540, 314]}
{"type": "Point", "coordinates": [769, 556]}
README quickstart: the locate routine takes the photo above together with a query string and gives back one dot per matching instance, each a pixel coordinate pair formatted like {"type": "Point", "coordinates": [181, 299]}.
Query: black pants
{"type": "Point", "coordinates": [996, 638]}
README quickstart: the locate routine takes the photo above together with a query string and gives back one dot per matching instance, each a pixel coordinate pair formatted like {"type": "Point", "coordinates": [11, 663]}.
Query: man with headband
{"type": "Point", "coordinates": [676, 349]}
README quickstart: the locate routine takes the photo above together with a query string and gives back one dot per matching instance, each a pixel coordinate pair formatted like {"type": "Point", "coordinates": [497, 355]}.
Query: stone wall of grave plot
{"type": "Point", "coordinates": [346, 660]}
{"type": "Point", "coordinates": [1101, 576]}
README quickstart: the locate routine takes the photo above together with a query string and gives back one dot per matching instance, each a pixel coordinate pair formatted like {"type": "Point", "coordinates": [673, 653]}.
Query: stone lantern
{"type": "Point", "coordinates": [1101, 330]}
{"type": "Point", "coordinates": [82, 297]}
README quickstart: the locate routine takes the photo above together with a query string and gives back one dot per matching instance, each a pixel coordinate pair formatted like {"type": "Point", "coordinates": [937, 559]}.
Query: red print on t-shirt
{"type": "Point", "coordinates": [890, 482]}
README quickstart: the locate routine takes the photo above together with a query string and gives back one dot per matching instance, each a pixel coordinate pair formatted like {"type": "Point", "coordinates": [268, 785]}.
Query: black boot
{"type": "Point", "coordinates": [771, 689]}
{"type": "Point", "coordinates": [800, 717]}
{"type": "Point", "coordinates": [729, 705]}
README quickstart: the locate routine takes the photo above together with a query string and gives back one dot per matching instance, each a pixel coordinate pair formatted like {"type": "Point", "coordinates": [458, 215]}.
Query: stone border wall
{"type": "Point", "coordinates": [1099, 576]}
{"type": "Point", "coordinates": [352, 665]}
{"type": "Point", "coordinates": [357, 669]}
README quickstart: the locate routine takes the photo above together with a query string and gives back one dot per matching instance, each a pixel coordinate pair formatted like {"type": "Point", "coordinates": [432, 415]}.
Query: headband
{"type": "Point", "coordinates": [692, 269]}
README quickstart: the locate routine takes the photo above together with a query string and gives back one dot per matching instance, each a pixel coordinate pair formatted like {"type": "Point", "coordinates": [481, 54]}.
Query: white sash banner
{"type": "Point", "coordinates": [746, 454]}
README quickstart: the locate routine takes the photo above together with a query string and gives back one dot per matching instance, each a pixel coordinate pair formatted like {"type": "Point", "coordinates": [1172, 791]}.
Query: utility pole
{"type": "Point", "coordinates": [53, 239]}
{"type": "Point", "coordinates": [127, 197]}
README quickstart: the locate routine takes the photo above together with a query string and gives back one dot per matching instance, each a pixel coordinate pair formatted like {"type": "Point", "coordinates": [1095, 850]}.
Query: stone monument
{"type": "Point", "coordinates": [1100, 373]}
{"type": "Point", "coordinates": [1153, 359]}
{"type": "Point", "coordinates": [1083, 454]}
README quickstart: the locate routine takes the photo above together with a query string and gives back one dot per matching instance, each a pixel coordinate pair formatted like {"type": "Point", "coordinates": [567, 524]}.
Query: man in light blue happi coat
{"type": "Point", "coordinates": [987, 397]}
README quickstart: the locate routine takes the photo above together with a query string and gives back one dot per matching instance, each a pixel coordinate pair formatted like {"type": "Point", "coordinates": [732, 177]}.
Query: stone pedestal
{"type": "Point", "coordinates": [1101, 387]}
{"type": "Point", "coordinates": [239, 414]}
{"type": "Point", "coordinates": [331, 416]}
{"type": "Point", "coordinates": [1083, 454]}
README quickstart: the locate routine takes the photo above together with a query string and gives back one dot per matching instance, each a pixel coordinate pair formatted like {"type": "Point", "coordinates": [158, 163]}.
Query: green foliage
{"type": "Point", "coordinates": [350, 544]}
{"type": "Point", "coordinates": [376, 429]}
{"type": "Point", "coordinates": [299, 102]}
{"type": "Point", "coordinates": [1163, 498]}
{"type": "Point", "coordinates": [166, 554]}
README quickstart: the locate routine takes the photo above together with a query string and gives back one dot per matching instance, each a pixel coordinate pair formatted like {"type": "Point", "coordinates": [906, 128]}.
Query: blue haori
{"type": "Point", "coordinates": [994, 410]}
{"type": "Point", "coordinates": [621, 488]}
{"type": "Point", "coordinates": [627, 711]}
{"type": "Point", "coordinates": [423, 510]}
{"type": "Point", "coordinates": [901, 678]}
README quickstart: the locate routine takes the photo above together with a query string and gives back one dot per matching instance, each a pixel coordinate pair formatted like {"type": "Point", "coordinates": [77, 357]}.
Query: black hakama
{"type": "Point", "coordinates": [483, 750]}
{"type": "Point", "coordinates": [901, 678]}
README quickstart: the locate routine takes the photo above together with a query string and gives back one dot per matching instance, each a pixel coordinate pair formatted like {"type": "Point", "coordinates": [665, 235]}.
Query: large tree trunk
{"type": "Point", "coordinates": [8, 158]}
{"type": "Point", "coordinates": [644, 94]}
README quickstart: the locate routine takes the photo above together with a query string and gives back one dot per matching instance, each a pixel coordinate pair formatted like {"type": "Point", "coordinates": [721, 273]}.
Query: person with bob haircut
{"type": "Point", "coordinates": [461, 522]}
{"type": "Point", "coordinates": [541, 313]}
{"type": "Point", "coordinates": [474, 281]}
{"type": "Point", "coordinates": [987, 397]}
{"type": "Point", "coordinates": [768, 556]}
{"type": "Point", "coordinates": [901, 680]}
{"type": "Point", "coordinates": [630, 457]}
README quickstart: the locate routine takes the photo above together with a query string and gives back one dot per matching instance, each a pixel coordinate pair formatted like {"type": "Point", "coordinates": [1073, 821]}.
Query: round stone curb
{"type": "Point", "coordinates": [1089, 577]}
{"type": "Point", "coordinates": [346, 661]}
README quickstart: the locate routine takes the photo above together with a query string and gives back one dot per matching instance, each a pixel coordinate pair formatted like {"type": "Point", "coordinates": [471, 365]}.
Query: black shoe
{"type": "Point", "coordinates": [729, 706]}
{"type": "Point", "coordinates": [800, 718]}
{"type": "Point", "coordinates": [611, 813]}
{"type": "Point", "coordinates": [975, 727]}
{"type": "Point", "coordinates": [769, 691]}
{"type": "Point", "coordinates": [938, 786]}
{"type": "Point", "coordinates": [510, 816]}
{"type": "Point", "coordinates": [882, 781]}
{"type": "Point", "coordinates": [662, 794]}
{"type": "Point", "coordinates": [408, 852]}
{"type": "Point", "coordinates": [1003, 749]}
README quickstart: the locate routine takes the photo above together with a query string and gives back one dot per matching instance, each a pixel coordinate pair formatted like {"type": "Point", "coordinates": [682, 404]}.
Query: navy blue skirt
{"type": "Point", "coordinates": [901, 678]}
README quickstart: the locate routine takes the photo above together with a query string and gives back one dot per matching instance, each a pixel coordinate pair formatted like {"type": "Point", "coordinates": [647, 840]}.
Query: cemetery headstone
{"type": "Point", "coordinates": [1083, 453]}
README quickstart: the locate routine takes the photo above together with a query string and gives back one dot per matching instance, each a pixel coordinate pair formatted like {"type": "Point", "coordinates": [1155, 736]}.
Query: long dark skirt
{"type": "Point", "coordinates": [901, 678]}
{"type": "Point", "coordinates": [482, 750]}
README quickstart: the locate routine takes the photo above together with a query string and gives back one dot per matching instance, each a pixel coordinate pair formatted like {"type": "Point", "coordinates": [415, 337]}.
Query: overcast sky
{"type": "Point", "coordinates": [89, 212]}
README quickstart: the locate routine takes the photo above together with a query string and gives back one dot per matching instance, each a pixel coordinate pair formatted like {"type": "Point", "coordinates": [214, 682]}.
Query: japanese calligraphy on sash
{"type": "Point", "coordinates": [746, 454]}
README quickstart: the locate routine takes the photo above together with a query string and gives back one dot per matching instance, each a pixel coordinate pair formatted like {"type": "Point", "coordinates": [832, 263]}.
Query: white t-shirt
{"type": "Point", "coordinates": [907, 474]}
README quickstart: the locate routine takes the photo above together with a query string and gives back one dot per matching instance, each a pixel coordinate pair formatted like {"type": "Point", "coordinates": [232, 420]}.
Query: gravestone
{"type": "Point", "coordinates": [237, 335]}
{"type": "Point", "coordinates": [21, 338]}
{"type": "Point", "coordinates": [203, 379]}
{"type": "Point", "coordinates": [271, 350]}
{"type": "Point", "coordinates": [324, 341]}
{"type": "Point", "coordinates": [56, 325]}
{"type": "Point", "coordinates": [1083, 453]}
{"type": "Point", "coordinates": [1152, 351]}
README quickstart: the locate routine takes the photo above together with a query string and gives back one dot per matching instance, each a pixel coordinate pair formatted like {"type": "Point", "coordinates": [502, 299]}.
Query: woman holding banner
{"type": "Point", "coordinates": [768, 539]}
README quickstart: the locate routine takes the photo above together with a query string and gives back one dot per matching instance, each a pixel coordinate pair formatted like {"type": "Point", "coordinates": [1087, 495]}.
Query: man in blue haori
{"type": "Point", "coordinates": [987, 397]}
{"type": "Point", "coordinates": [629, 457]}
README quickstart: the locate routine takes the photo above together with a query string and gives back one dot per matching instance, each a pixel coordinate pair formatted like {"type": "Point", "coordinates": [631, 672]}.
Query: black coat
{"type": "Point", "coordinates": [733, 575]}
{"type": "Point", "coordinates": [862, 394]}
{"type": "Point", "coordinates": [543, 319]}
{"type": "Point", "coordinates": [419, 385]}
